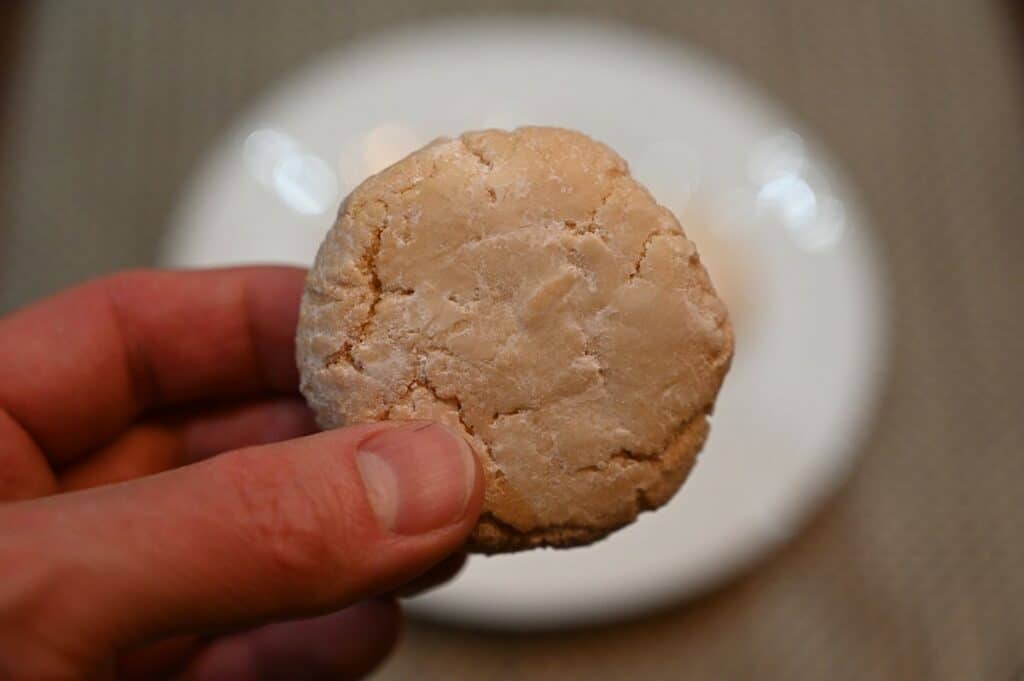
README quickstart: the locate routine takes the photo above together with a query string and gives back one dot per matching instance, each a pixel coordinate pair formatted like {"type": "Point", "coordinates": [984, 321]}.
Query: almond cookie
{"type": "Point", "coordinates": [524, 288]}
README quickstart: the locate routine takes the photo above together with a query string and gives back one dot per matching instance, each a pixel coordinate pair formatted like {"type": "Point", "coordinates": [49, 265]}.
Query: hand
{"type": "Point", "coordinates": [127, 548]}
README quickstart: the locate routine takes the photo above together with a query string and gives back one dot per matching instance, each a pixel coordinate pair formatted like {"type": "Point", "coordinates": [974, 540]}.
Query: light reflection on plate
{"type": "Point", "coordinates": [781, 235]}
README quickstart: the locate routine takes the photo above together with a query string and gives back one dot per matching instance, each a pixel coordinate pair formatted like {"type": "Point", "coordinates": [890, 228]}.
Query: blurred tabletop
{"type": "Point", "coordinates": [916, 569]}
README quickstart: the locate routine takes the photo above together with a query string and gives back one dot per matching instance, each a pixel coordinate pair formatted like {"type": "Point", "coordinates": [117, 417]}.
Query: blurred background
{"type": "Point", "coordinates": [914, 569]}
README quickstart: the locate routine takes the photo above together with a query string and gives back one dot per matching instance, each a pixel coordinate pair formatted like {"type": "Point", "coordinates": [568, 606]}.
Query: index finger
{"type": "Point", "coordinates": [75, 369]}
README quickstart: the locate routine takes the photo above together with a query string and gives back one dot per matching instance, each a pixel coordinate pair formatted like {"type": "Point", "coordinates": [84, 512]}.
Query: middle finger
{"type": "Point", "coordinates": [164, 443]}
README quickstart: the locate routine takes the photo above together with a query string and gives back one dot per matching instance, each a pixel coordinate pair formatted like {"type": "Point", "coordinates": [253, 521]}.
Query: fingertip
{"type": "Point", "coordinates": [419, 477]}
{"type": "Point", "coordinates": [476, 497]}
{"type": "Point", "coordinates": [272, 303]}
{"type": "Point", "coordinates": [246, 425]}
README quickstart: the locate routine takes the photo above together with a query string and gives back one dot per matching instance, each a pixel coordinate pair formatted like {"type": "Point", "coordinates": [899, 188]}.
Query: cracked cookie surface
{"type": "Point", "coordinates": [522, 287]}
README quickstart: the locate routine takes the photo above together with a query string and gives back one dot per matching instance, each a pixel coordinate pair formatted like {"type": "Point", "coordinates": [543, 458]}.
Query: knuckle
{"type": "Point", "coordinates": [290, 527]}
{"type": "Point", "coordinates": [117, 286]}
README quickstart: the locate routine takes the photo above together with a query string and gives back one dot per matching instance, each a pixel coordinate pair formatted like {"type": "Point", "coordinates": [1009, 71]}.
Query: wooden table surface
{"type": "Point", "coordinates": [916, 569]}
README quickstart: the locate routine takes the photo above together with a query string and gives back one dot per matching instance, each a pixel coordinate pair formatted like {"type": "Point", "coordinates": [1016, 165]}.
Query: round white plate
{"type": "Point", "coordinates": [779, 230]}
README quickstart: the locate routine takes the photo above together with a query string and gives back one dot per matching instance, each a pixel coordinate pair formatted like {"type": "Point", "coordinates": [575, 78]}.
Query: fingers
{"type": "Point", "coordinates": [256, 423]}
{"type": "Point", "coordinates": [145, 449]}
{"type": "Point", "coordinates": [343, 645]}
{"type": "Point", "coordinates": [280, 531]}
{"type": "Point", "coordinates": [345, 653]}
{"type": "Point", "coordinates": [82, 365]}
{"type": "Point", "coordinates": [166, 443]}
{"type": "Point", "coordinates": [24, 471]}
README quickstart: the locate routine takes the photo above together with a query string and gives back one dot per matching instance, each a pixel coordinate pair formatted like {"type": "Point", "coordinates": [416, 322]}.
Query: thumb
{"type": "Point", "coordinates": [279, 531]}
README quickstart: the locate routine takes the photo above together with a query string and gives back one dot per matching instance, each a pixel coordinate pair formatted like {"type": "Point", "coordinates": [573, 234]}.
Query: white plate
{"type": "Point", "coordinates": [781, 234]}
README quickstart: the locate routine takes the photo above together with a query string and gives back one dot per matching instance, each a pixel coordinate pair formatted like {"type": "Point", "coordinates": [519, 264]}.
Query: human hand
{"type": "Point", "coordinates": [128, 549]}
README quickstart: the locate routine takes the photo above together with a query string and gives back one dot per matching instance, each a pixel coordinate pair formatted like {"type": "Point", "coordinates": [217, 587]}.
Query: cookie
{"type": "Point", "coordinates": [524, 288]}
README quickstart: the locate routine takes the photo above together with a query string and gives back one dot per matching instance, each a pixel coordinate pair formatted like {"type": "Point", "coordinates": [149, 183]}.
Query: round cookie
{"type": "Point", "coordinates": [523, 288]}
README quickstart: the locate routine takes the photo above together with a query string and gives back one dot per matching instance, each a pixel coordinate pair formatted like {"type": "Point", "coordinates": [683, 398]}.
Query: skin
{"type": "Point", "coordinates": [165, 508]}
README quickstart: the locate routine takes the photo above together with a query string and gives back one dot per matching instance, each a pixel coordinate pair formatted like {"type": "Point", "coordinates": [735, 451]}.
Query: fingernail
{"type": "Point", "coordinates": [418, 477]}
